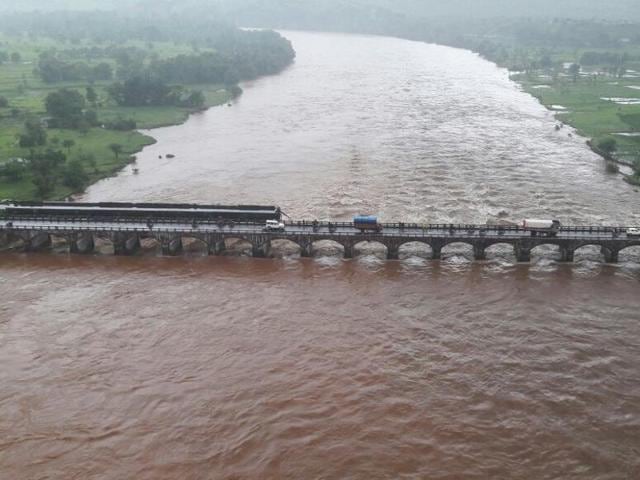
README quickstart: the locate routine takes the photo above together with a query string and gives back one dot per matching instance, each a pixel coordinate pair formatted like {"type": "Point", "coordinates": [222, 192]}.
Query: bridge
{"type": "Point", "coordinates": [33, 234]}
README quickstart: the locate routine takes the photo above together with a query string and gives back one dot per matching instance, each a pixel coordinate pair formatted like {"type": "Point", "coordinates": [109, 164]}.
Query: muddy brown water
{"type": "Point", "coordinates": [235, 368]}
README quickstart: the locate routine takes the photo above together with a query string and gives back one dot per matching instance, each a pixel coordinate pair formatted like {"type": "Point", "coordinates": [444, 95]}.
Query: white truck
{"type": "Point", "coordinates": [274, 226]}
{"type": "Point", "coordinates": [545, 228]}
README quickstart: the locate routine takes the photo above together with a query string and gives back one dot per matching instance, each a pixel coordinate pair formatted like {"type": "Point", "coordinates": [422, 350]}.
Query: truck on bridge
{"type": "Point", "coordinates": [546, 228]}
{"type": "Point", "coordinates": [367, 223]}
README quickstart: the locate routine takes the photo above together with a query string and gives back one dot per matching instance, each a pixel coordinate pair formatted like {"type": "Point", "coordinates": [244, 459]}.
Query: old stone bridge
{"type": "Point", "coordinates": [126, 237]}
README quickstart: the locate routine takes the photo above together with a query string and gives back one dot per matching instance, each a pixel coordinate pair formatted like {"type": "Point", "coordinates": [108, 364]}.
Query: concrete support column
{"type": "Point", "coordinates": [566, 254]}
{"type": "Point", "coordinates": [610, 256]}
{"type": "Point", "coordinates": [262, 250]}
{"type": "Point", "coordinates": [217, 247]}
{"type": "Point", "coordinates": [173, 247]}
{"type": "Point", "coordinates": [348, 251]}
{"type": "Point", "coordinates": [39, 241]}
{"type": "Point", "coordinates": [306, 250]}
{"type": "Point", "coordinates": [523, 254]}
{"type": "Point", "coordinates": [4, 240]}
{"type": "Point", "coordinates": [123, 245]}
{"type": "Point", "coordinates": [479, 252]}
{"type": "Point", "coordinates": [83, 244]}
{"type": "Point", "coordinates": [393, 252]}
{"type": "Point", "coordinates": [437, 253]}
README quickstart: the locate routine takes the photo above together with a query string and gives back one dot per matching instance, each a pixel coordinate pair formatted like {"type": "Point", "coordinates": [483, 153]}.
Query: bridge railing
{"type": "Point", "coordinates": [599, 234]}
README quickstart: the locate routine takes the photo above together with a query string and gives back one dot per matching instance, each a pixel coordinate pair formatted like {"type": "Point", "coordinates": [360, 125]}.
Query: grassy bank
{"type": "Point", "coordinates": [26, 92]}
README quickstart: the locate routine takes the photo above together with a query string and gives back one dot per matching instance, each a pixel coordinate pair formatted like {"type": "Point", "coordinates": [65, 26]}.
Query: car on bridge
{"type": "Point", "coordinates": [274, 226]}
{"type": "Point", "coordinates": [633, 232]}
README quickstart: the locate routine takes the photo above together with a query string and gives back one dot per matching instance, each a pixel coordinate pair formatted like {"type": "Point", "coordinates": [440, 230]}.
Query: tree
{"type": "Point", "coordinates": [608, 145]}
{"type": "Point", "coordinates": [574, 70]}
{"type": "Point", "coordinates": [116, 148]}
{"type": "Point", "coordinates": [74, 175]}
{"type": "Point", "coordinates": [16, 57]}
{"type": "Point", "coordinates": [91, 96]}
{"type": "Point", "coordinates": [13, 171]}
{"type": "Point", "coordinates": [4, 103]}
{"type": "Point", "coordinates": [34, 134]}
{"type": "Point", "coordinates": [196, 99]}
{"type": "Point", "coordinates": [66, 107]}
{"type": "Point", "coordinates": [68, 144]}
{"type": "Point", "coordinates": [88, 159]}
{"type": "Point", "coordinates": [43, 167]}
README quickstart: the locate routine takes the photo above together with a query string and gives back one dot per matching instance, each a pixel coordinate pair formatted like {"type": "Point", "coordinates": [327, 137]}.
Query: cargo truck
{"type": "Point", "coordinates": [367, 223]}
{"type": "Point", "coordinates": [545, 228]}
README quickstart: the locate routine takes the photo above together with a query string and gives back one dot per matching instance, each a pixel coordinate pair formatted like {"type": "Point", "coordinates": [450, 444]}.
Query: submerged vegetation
{"type": "Point", "coordinates": [74, 87]}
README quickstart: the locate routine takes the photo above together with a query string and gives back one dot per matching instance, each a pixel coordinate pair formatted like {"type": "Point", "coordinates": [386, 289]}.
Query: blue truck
{"type": "Point", "coordinates": [367, 223]}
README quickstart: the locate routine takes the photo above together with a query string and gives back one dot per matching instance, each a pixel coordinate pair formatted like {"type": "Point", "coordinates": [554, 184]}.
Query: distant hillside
{"type": "Point", "coordinates": [302, 11]}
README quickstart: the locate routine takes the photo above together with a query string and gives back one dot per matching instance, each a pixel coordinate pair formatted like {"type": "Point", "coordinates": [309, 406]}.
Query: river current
{"type": "Point", "coordinates": [234, 368]}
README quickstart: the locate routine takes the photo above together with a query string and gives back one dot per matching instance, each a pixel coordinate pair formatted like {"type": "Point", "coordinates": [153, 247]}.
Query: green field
{"type": "Point", "coordinates": [585, 103]}
{"type": "Point", "coordinates": [26, 92]}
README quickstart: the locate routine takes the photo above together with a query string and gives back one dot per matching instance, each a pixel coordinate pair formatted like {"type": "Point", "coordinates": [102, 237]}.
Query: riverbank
{"type": "Point", "coordinates": [25, 94]}
{"type": "Point", "coordinates": [600, 107]}
{"type": "Point", "coordinates": [71, 113]}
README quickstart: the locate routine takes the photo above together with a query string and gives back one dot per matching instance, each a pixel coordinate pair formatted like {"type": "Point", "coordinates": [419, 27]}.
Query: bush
{"type": "Point", "coordinates": [612, 167]}
{"type": "Point", "coordinates": [74, 175]}
{"type": "Point", "coordinates": [121, 124]}
{"type": "Point", "coordinates": [13, 171]}
{"type": "Point", "coordinates": [608, 145]}
{"type": "Point", "coordinates": [4, 103]}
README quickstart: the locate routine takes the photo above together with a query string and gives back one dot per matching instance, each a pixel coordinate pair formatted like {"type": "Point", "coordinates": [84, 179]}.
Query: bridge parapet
{"type": "Point", "coordinates": [126, 237]}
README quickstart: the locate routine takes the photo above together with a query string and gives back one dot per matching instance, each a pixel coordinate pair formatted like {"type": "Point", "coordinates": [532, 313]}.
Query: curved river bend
{"type": "Point", "coordinates": [233, 368]}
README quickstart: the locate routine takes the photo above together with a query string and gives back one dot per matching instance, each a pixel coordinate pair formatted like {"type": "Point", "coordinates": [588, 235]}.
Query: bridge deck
{"type": "Point", "coordinates": [36, 231]}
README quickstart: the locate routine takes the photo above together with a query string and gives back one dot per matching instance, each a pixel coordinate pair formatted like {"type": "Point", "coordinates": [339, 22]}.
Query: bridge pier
{"type": "Point", "coordinates": [38, 241]}
{"type": "Point", "coordinates": [82, 244]}
{"type": "Point", "coordinates": [566, 254]}
{"type": "Point", "coordinates": [479, 252]}
{"type": "Point", "coordinates": [306, 250]}
{"type": "Point", "coordinates": [348, 251]}
{"type": "Point", "coordinates": [261, 250]}
{"type": "Point", "coordinates": [610, 256]}
{"type": "Point", "coordinates": [523, 255]}
{"type": "Point", "coordinates": [4, 240]}
{"type": "Point", "coordinates": [125, 246]}
{"type": "Point", "coordinates": [172, 247]}
{"type": "Point", "coordinates": [393, 252]}
{"type": "Point", "coordinates": [217, 247]}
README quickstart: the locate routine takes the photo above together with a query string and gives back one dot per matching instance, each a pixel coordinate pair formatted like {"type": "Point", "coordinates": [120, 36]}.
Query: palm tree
{"type": "Point", "coordinates": [116, 148]}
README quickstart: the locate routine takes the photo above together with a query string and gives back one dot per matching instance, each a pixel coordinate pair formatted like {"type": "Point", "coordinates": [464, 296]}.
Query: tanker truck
{"type": "Point", "coordinates": [544, 228]}
{"type": "Point", "coordinates": [367, 223]}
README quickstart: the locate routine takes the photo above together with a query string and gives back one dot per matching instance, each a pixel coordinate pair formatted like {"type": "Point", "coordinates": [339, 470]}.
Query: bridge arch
{"type": "Point", "coordinates": [550, 251]}
{"type": "Point", "coordinates": [284, 247]}
{"type": "Point", "coordinates": [150, 245]}
{"type": "Point", "coordinates": [457, 249]}
{"type": "Point", "coordinates": [327, 247]}
{"type": "Point", "coordinates": [10, 241]}
{"type": "Point", "coordinates": [630, 253]}
{"type": "Point", "coordinates": [237, 246]}
{"type": "Point", "coordinates": [589, 251]}
{"type": "Point", "coordinates": [373, 248]}
{"type": "Point", "coordinates": [504, 250]}
{"type": "Point", "coordinates": [61, 243]}
{"type": "Point", "coordinates": [104, 244]}
{"type": "Point", "coordinates": [195, 246]}
{"type": "Point", "coordinates": [415, 249]}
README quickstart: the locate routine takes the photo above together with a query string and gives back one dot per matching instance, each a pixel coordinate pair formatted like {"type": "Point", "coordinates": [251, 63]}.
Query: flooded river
{"type": "Point", "coordinates": [234, 368]}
